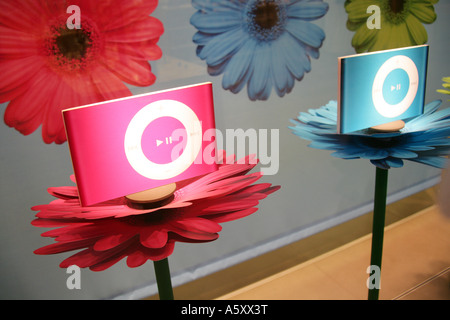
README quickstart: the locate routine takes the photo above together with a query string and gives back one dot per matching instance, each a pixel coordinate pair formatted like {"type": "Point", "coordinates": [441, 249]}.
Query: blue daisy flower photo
{"type": "Point", "coordinates": [264, 44]}
{"type": "Point", "coordinates": [423, 139]}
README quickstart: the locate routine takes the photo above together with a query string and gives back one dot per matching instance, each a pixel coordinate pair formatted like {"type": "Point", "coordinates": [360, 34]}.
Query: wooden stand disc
{"type": "Point", "coordinates": [390, 127]}
{"type": "Point", "coordinates": [152, 195]}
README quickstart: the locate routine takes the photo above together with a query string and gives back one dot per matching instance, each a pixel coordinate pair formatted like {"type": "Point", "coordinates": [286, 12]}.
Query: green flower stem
{"type": "Point", "coordinates": [163, 279]}
{"type": "Point", "coordinates": [379, 214]}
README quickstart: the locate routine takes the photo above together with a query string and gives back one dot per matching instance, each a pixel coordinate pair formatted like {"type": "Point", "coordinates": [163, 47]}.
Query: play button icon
{"type": "Point", "coordinates": [395, 86]}
{"type": "Point", "coordinates": [157, 142]}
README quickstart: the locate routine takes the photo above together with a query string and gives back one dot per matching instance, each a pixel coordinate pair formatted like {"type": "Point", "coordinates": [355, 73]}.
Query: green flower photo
{"type": "Point", "coordinates": [400, 23]}
{"type": "Point", "coordinates": [446, 86]}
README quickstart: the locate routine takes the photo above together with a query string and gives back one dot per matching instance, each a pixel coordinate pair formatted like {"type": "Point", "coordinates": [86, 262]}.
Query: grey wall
{"type": "Point", "coordinates": [318, 191]}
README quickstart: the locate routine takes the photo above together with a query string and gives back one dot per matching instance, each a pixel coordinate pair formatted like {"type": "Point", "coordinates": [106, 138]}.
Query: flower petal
{"type": "Point", "coordinates": [296, 59]}
{"type": "Point", "coordinates": [142, 255]}
{"type": "Point", "coordinates": [394, 162]}
{"type": "Point", "coordinates": [16, 44]}
{"type": "Point", "coordinates": [153, 238]}
{"type": "Point", "coordinates": [401, 153]}
{"type": "Point", "coordinates": [280, 72]}
{"type": "Point", "coordinates": [63, 247]}
{"type": "Point", "coordinates": [27, 16]}
{"type": "Point", "coordinates": [307, 10]}
{"type": "Point", "coordinates": [259, 84]}
{"type": "Point", "coordinates": [239, 66]}
{"type": "Point", "coordinates": [108, 85]}
{"type": "Point", "coordinates": [112, 241]}
{"type": "Point", "coordinates": [226, 217]}
{"type": "Point", "coordinates": [138, 73]}
{"type": "Point", "coordinates": [437, 162]}
{"type": "Point", "coordinates": [416, 30]}
{"type": "Point", "coordinates": [18, 75]}
{"type": "Point", "coordinates": [423, 11]}
{"type": "Point", "coordinates": [196, 229]}
{"type": "Point", "coordinates": [217, 22]}
{"type": "Point", "coordinates": [217, 6]}
{"type": "Point", "coordinates": [27, 111]}
{"type": "Point", "coordinates": [357, 11]}
{"type": "Point", "coordinates": [364, 38]}
{"type": "Point", "coordinates": [146, 29]}
{"type": "Point", "coordinates": [222, 47]}
{"type": "Point", "coordinates": [306, 32]}
{"type": "Point", "coordinates": [120, 13]}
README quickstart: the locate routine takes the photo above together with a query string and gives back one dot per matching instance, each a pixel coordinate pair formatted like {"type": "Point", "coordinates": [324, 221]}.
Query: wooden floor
{"type": "Point", "coordinates": [416, 265]}
{"type": "Point", "coordinates": [333, 264]}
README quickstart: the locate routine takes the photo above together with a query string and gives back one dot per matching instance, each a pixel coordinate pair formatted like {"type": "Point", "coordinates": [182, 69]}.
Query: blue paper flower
{"type": "Point", "coordinates": [424, 139]}
{"type": "Point", "coordinates": [261, 43]}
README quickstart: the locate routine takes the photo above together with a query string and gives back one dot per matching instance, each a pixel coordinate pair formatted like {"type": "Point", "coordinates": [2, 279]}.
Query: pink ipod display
{"type": "Point", "coordinates": [132, 144]}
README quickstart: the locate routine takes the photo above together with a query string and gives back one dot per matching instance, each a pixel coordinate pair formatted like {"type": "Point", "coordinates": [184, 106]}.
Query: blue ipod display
{"type": "Point", "coordinates": [381, 87]}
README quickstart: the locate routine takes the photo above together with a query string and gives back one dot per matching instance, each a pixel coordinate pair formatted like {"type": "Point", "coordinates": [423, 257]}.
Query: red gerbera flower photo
{"type": "Point", "coordinates": [48, 66]}
{"type": "Point", "coordinates": [108, 232]}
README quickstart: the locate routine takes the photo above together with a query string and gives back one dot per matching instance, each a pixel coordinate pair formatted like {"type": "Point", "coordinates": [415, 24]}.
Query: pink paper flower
{"type": "Point", "coordinates": [110, 231]}
{"type": "Point", "coordinates": [47, 66]}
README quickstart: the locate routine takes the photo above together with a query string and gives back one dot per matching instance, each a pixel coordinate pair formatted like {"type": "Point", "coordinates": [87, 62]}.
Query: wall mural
{"type": "Point", "coordinates": [58, 54]}
{"type": "Point", "coordinates": [53, 57]}
{"type": "Point", "coordinates": [49, 63]}
{"type": "Point", "coordinates": [400, 23]}
{"type": "Point", "coordinates": [262, 44]}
